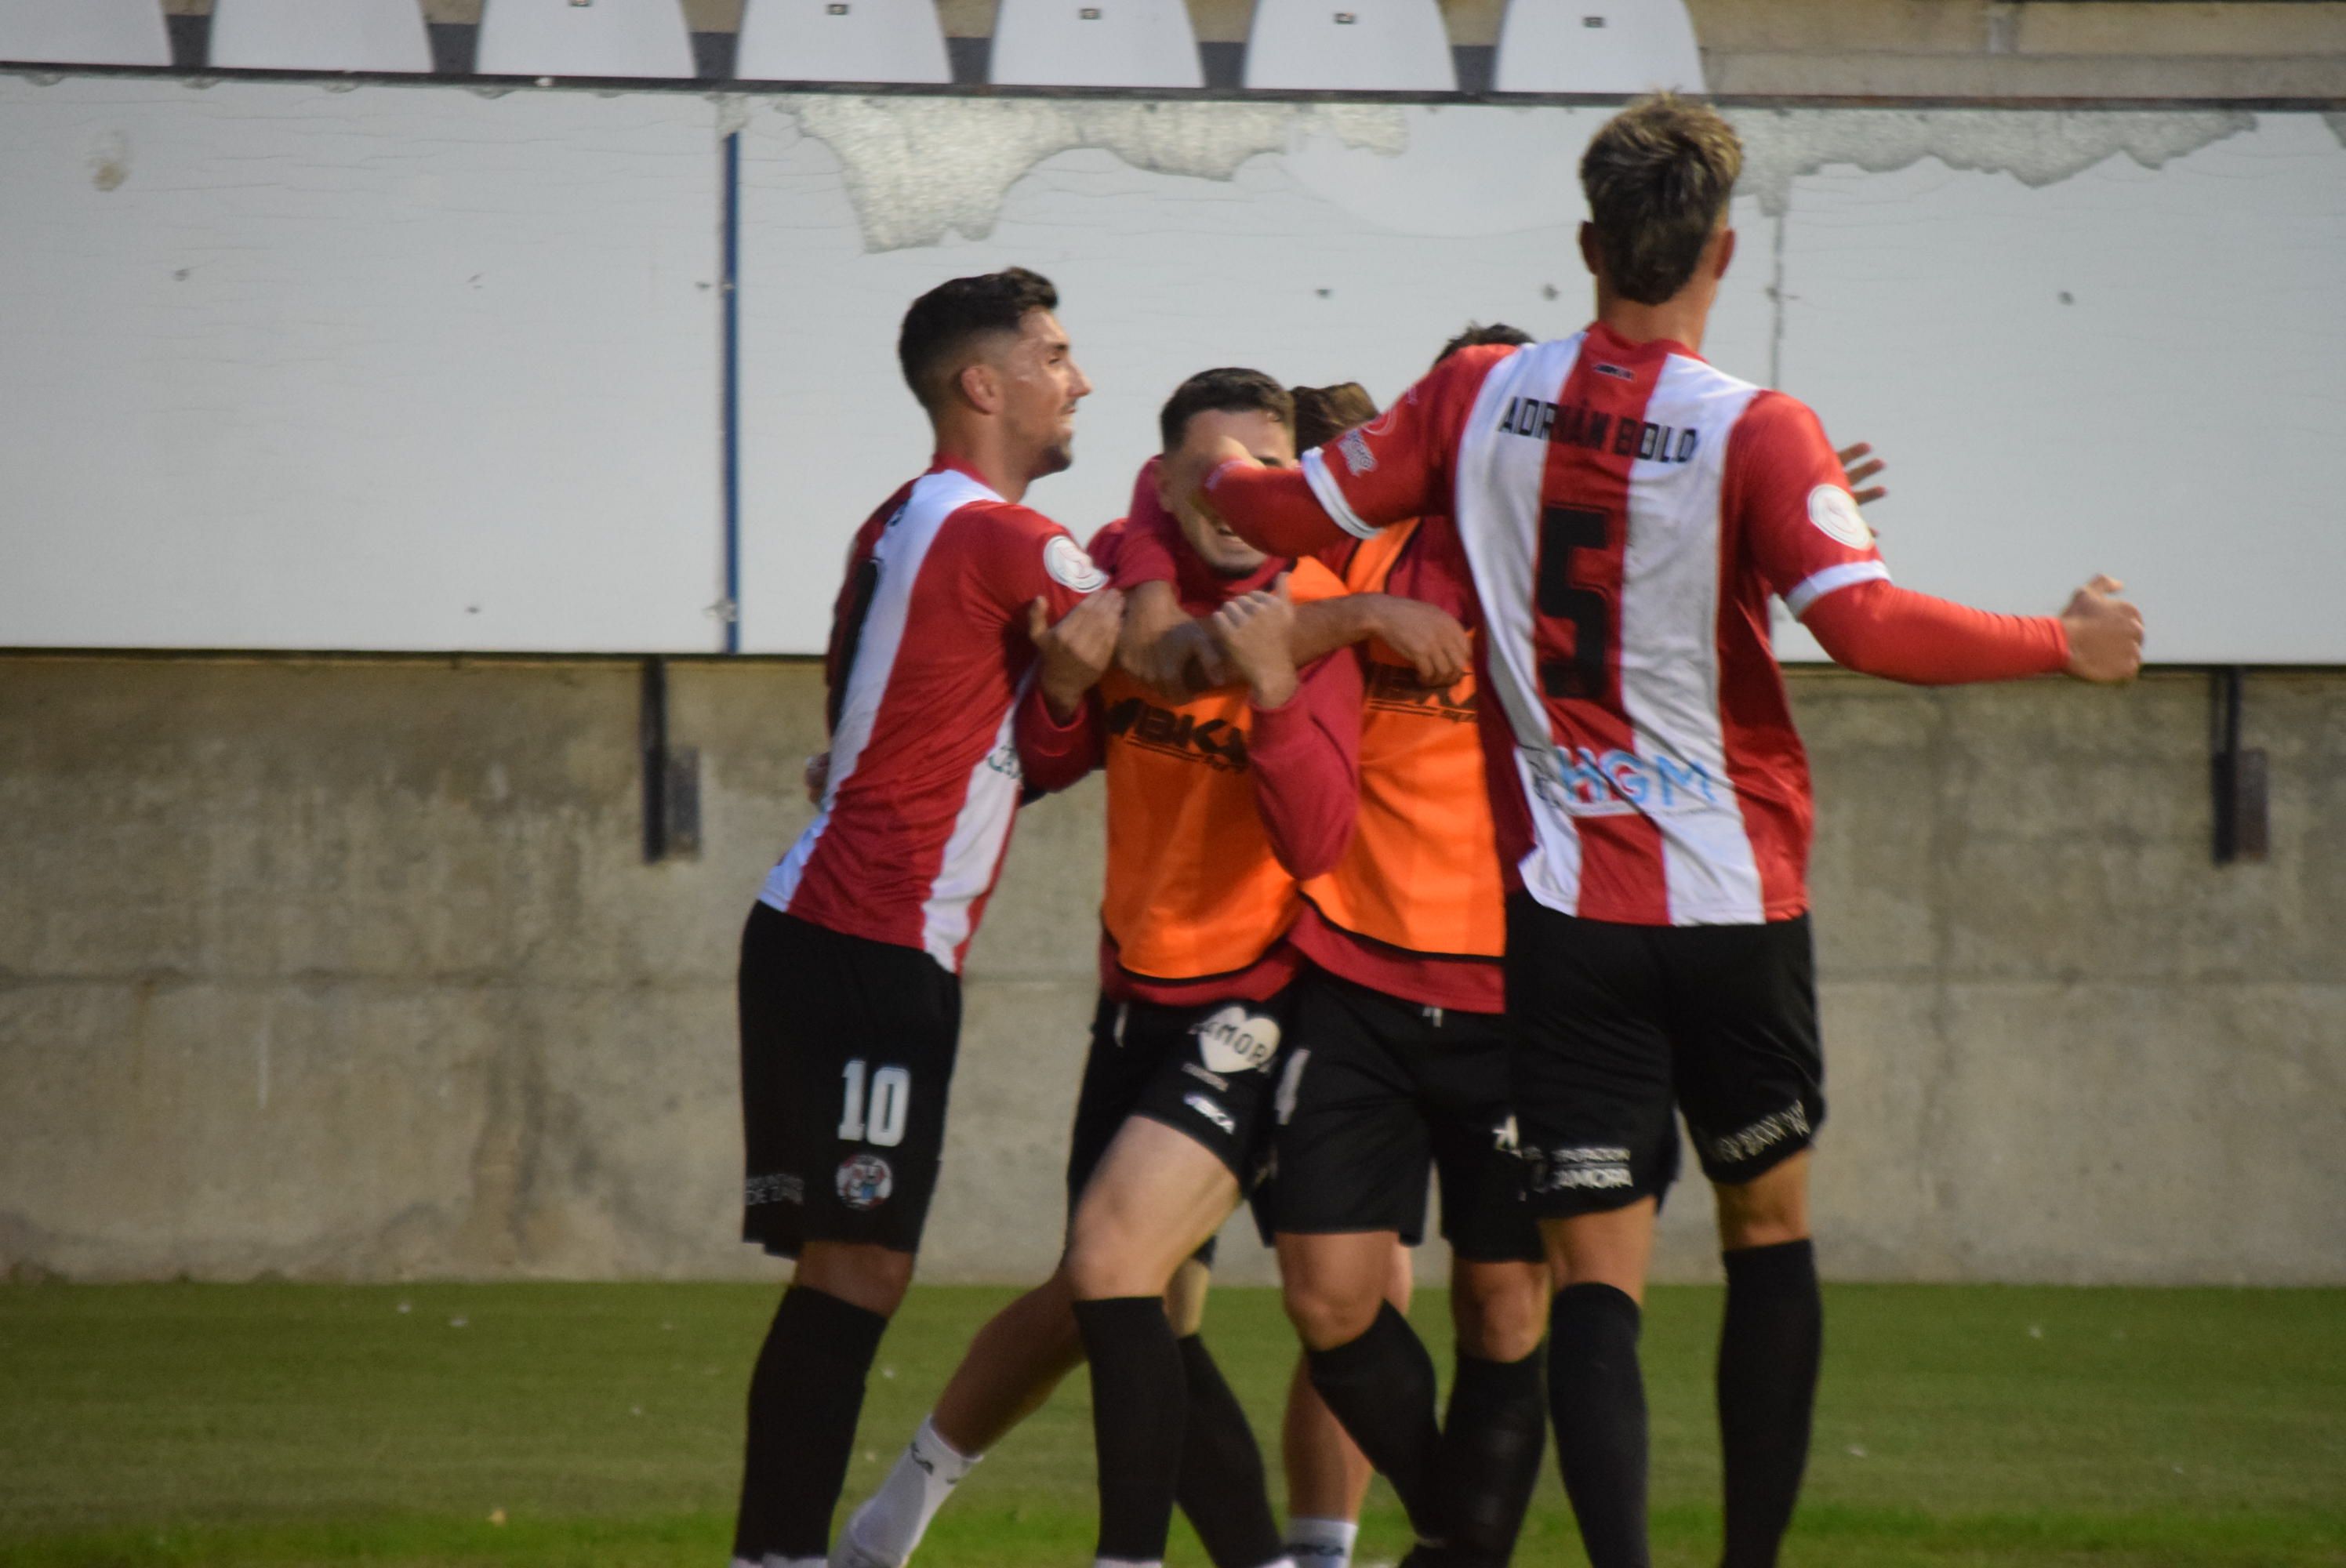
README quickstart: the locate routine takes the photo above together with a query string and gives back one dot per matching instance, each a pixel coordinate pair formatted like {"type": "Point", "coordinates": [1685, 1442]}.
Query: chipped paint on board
{"type": "Point", "coordinates": [918, 170]}
{"type": "Point", "coordinates": [2037, 148]}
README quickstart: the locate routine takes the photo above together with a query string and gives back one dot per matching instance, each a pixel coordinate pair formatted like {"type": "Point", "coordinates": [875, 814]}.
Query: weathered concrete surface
{"type": "Point", "coordinates": [352, 970]}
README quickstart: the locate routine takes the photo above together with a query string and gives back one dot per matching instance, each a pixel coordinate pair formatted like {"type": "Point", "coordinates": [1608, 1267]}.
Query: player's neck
{"type": "Point", "coordinates": [1680, 319]}
{"type": "Point", "coordinates": [980, 447]}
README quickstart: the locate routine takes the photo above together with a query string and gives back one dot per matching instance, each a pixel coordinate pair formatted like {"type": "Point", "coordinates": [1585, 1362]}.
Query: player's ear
{"type": "Point", "coordinates": [1724, 240]}
{"type": "Point", "coordinates": [1590, 256]}
{"type": "Point", "coordinates": [979, 386]}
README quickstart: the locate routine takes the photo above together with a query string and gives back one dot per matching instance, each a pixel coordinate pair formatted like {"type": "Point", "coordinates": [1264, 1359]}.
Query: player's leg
{"type": "Point", "coordinates": [1494, 1433]}
{"type": "Point", "coordinates": [1156, 1198]}
{"type": "Point", "coordinates": [1328, 1476]}
{"type": "Point", "coordinates": [1751, 1075]}
{"type": "Point", "coordinates": [1173, 1173]}
{"type": "Point", "coordinates": [1220, 1485]}
{"type": "Point", "coordinates": [1354, 1159]}
{"type": "Point", "coordinates": [846, 1050]}
{"type": "Point", "coordinates": [1592, 1082]}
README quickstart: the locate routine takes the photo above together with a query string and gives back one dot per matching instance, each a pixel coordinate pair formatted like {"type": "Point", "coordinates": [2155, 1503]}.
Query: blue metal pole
{"type": "Point", "coordinates": [732, 290]}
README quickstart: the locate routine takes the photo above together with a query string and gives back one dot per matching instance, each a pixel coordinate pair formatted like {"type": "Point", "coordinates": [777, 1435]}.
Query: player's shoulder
{"type": "Point", "coordinates": [1774, 422]}
{"type": "Point", "coordinates": [1104, 546]}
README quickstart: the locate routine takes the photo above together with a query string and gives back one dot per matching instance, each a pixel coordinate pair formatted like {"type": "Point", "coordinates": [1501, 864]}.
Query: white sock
{"type": "Point", "coordinates": [1127, 1563]}
{"type": "Point", "coordinates": [884, 1531]}
{"type": "Point", "coordinates": [1322, 1543]}
{"type": "Point", "coordinates": [776, 1560]}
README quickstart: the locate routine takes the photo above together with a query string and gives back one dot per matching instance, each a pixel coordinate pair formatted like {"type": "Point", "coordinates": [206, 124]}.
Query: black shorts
{"type": "Point", "coordinates": [1378, 1092]}
{"type": "Point", "coordinates": [847, 1053]}
{"type": "Point", "coordinates": [1619, 1022]}
{"type": "Point", "coordinates": [1207, 1069]}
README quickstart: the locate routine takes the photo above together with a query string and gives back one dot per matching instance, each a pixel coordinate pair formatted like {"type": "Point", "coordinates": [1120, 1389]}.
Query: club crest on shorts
{"type": "Point", "coordinates": [1236, 1040]}
{"type": "Point", "coordinates": [866, 1181]}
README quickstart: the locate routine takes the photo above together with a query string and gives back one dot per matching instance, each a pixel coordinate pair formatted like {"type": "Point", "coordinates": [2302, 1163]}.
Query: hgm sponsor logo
{"type": "Point", "coordinates": [1581, 782]}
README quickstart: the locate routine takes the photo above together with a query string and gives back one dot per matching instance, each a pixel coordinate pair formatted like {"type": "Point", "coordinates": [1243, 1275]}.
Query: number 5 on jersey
{"type": "Point", "coordinates": [891, 1100]}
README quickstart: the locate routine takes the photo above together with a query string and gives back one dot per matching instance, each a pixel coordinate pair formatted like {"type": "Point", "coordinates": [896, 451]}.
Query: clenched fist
{"type": "Point", "coordinates": [2105, 633]}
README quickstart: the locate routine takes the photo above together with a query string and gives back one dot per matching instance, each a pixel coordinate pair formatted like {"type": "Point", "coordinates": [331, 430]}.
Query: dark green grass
{"type": "Point", "coordinates": [305, 1424]}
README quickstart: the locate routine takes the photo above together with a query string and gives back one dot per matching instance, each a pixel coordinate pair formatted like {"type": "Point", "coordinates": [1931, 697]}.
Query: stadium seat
{"type": "Point", "coordinates": [84, 32]}
{"type": "Point", "coordinates": [320, 35]}
{"type": "Point", "coordinates": [842, 41]}
{"type": "Point", "coordinates": [596, 38]}
{"type": "Point", "coordinates": [1094, 44]}
{"type": "Point", "coordinates": [1350, 46]}
{"type": "Point", "coordinates": [1609, 47]}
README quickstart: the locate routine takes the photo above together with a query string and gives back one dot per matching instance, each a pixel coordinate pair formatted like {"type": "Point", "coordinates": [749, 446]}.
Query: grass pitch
{"type": "Point", "coordinates": [598, 1424]}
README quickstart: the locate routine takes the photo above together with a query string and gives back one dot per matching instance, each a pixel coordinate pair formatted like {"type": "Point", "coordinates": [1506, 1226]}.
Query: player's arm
{"type": "Point", "coordinates": [1786, 487]}
{"type": "Point", "coordinates": [1303, 753]}
{"type": "Point", "coordinates": [1058, 728]}
{"type": "Point", "coordinates": [1430, 638]}
{"type": "Point", "coordinates": [1392, 469]}
{"type": "Point", "coordinates": [1879, 629]}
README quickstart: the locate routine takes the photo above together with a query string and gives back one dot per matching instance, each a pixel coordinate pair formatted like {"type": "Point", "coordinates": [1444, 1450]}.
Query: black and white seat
{"type": "Point", "coordinates": [84, 32]}
{"type": "Point", "coordinates": [842, 41]}
{"type": "Point", "coordinates": [583, 38]}
{"type": "Point", "coordinates": [1350, 46]}
{"type": "Point", "coordinates": [1094, 44]}
{"type": "Point", "coordinates": [320, 35]}
{"type": "Point", "coordinates": [1610, 47]}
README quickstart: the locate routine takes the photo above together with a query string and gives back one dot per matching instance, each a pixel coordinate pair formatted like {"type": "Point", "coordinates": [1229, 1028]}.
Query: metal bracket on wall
{"type": "Point", "coordinates": [671, 775]}
{"type": "Point", "coordinates": [2242, 822]}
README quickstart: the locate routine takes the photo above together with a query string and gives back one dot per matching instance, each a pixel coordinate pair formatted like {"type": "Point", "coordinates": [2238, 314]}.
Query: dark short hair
{"type": "Point", "coordinates": [1657, 176]}
{"type": "Point", "coordinates": [943, 323]}
{"type": "Point", "coordinates": [1477, 335]}
{"type": "Point", "coordinates": [1229, 390]}
{"type": "Point", "coordinates": [1323, 413]}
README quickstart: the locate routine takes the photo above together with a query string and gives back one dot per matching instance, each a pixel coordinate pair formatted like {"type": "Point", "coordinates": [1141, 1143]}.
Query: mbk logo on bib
{"type": "Point", "coordinates": [1236, 1040]}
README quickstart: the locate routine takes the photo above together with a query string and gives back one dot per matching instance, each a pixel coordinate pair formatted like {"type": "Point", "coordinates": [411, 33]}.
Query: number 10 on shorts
{"type": "Point", "coordinates": [891, 1098]}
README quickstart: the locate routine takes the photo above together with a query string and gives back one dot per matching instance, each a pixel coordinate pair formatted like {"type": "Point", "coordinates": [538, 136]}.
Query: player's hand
{"type": "Point", "coordinates": [1855, 460]}
{"type": "Point", "coordinates": [2105, 633]}
{"type": "Point", "coordinates": [1073, 655]}
{"type": "Point", "coordinates": [1187, 469]}
{"type": "Point", "coordinates": [1252, 631]}
{"type": "Point", "coordinates": [1167, 650]}
{"type": "Point", "coordinates": [818, 776]}
{"type": "Point", "coordinates": [1430, 639]}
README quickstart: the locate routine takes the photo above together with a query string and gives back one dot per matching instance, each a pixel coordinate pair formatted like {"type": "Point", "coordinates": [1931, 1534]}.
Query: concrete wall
{"type": "Point", "coordinates": [353, 970]}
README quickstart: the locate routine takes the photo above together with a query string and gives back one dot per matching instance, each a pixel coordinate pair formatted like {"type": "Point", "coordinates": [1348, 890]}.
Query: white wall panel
{"type": "Point", "coordinates": [289, 366]}
{"type": "Point", "coordinates": [2174, 421]}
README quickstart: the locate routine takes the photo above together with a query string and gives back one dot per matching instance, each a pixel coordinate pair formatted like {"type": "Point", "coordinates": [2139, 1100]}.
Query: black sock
{"type": "Point", "coordinates": [1599, 1399]}
{"type": "Point", "coordinates": [1139, 1401]}
{"type": "Point", "coordinates": [1492, 1443]}
{"type": "Point", "coordinates": [1220, 1485]}
{"type": "Point", "coordinates": [804, 1399]}
{"type": "Point", "coordinates": [1767, 1354]}
{"type": "Point", "coordinates": [1380, 1387]}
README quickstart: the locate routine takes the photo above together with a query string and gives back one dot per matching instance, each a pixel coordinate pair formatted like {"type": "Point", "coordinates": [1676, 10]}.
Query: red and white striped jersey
{"type": "Point", "coordinates": [929, 654]}
{"type": "Point", "coordinates": [1626, 511]}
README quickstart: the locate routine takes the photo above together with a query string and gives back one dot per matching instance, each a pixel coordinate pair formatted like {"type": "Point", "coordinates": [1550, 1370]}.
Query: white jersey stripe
{"type": "Point", "coordinates": [975, 849]}
{"type": "Point", "coordinates": [1331, 496]}
{"type": "Point", "coordinates": [1816, 586]}
{"type": "Point", "coordinates": [1669, 654]}
{"type": "Point", "coordinates": [1497, 507]}
{"type": "Point", "coordinates": [901, 548]}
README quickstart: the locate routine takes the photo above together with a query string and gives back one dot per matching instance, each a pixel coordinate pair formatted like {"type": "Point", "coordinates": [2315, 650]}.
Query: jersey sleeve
{"type": "Point", "coordinates": [1019, 555]}
{"type": "Point", "coordinates": [1786, 489]}
{"type": "Point", "coordinates": [1395, 467]}
{"type": "Point", "coordinates": [1879, 629]}
{"type": "Point", "coordinates": [1305, 758]}
{"type": "Point", "coordinates": [1051, 755]}
{"type": "Point", "coordinates": [1146, 538]}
